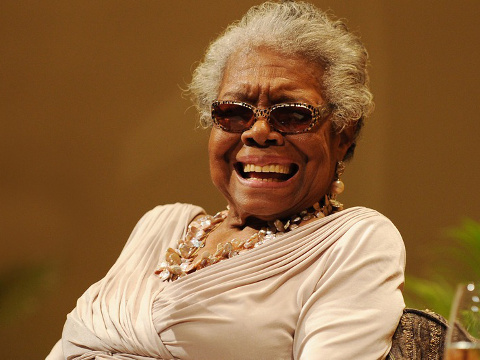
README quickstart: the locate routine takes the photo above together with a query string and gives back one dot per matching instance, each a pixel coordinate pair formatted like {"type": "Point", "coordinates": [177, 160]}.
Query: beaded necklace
{"type": "Point", "coordinates": [183, 260]}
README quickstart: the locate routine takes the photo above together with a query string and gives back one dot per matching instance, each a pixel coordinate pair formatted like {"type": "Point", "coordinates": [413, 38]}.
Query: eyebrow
{"type": "Point", "coordinates": [288, 97]}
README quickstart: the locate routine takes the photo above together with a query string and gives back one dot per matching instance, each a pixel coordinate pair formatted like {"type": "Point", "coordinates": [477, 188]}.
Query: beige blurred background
{"type": "Point", "coordinates": [95, 132]}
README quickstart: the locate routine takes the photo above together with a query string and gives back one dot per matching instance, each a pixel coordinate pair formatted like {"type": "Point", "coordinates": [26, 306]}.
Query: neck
{"type": "Point", "coordinates": [233, 220]}
{"type": "Point", "coordinates": [238, 221]}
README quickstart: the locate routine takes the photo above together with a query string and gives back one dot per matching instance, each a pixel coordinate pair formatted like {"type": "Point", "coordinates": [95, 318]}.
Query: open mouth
{"type": "Point", "coordinates": [271, 172]}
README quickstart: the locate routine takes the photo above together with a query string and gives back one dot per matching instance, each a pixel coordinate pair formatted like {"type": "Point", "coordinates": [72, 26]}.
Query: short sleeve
{"type": "Point", "coordinates": [357, 303]}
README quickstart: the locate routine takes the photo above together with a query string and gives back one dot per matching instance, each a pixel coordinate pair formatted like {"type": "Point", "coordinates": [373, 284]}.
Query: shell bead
{"type": "Point", "coordinates": [183, 260]}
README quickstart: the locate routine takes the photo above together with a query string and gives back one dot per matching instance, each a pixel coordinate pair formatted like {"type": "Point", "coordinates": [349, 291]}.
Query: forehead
{"type": "Point", "coordinates": [263, 73]}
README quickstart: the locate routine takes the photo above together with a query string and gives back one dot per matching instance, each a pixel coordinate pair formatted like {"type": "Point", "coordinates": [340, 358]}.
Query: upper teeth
{"type": "Point", "coordinates": [272, 168]}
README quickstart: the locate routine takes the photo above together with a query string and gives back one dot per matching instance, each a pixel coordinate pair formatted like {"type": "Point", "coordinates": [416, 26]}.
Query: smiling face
{"type": "Point", "coordinates": [262, 173]}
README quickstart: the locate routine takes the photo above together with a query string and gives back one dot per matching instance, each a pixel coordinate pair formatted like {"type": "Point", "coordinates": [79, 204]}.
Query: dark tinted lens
{"type": "Point", "coordinates": [233, 117]}
{"type": "Point", "coordinates": [291, 118]}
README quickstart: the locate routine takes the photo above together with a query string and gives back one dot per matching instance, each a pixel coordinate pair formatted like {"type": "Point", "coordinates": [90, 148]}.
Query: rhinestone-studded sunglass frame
{"type": "Point", "coordinates": [288, 118]}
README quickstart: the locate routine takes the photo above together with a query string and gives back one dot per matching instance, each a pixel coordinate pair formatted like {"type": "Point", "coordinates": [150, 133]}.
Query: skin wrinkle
{"type": "Point", "coordinates": [294, 29]}
{"type": "Point", "coordinates": [264, 78]}
{"type": "Point", "coordinates": [248, 92]}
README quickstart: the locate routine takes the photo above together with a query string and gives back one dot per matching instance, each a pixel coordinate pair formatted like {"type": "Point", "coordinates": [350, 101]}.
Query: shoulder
{"type": "Point", "coordinates": [171, 212]}
{"type": "Point", "coordinates": [370, 231]}
{"type": "Point", "coordinates": [173, 209]}
{"type": "Point", "coordinates": [365, 219]}
{"type": "Point", "coordinates": [165, 220]}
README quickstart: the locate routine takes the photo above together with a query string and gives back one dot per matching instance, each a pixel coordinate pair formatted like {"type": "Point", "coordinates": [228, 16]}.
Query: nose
{"type": "Point", "coordinates": [262, 134]}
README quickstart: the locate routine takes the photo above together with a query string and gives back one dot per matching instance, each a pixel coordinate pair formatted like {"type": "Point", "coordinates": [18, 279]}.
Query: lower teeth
{"type": "Point", "coordinates": [266, 179]}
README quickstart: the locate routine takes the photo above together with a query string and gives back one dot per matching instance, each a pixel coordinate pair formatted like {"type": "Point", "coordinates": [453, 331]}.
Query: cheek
{"type": "Point", "coordinates": [213, 156]}
{"type": "Point", "coordinates": [319, 151]}
{"type": "Point", "coordinates": [220, 147]}
{"type": "Point", "coordinates": [327, 142]}
{"type": "Point", "coordinates": [316, 147]}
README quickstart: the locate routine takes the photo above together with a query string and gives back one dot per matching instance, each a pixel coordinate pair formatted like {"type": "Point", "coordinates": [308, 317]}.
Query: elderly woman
{"type": "Point", "coordinates": [284, 272]}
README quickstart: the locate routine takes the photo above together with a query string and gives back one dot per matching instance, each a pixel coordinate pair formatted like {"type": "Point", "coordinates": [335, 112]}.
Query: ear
{"type": "Point", "coordinates": [345, 139]}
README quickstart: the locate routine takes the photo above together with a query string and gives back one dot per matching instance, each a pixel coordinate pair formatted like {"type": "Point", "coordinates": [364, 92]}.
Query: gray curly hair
{"type": "Point", "coordinates": [294, 29]}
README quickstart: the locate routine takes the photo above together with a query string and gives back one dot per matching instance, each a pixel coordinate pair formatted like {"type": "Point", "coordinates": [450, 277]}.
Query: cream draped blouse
{"type": "Point", "coordinates": [330, 289]}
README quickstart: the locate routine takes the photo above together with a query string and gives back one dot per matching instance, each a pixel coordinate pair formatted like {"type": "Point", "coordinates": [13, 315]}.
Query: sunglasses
{"type": "Point", "coordinates": [294, 118]}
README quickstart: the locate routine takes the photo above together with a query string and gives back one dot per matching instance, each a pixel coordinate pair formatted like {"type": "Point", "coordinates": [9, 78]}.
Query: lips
{"type": "Point", "coordinates": [268, 173]}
